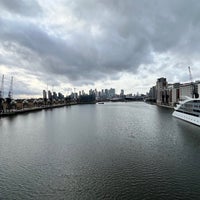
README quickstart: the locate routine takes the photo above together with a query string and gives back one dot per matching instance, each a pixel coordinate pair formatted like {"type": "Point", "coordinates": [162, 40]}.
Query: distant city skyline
{"type": "Point", "coordinates": [97, 44]}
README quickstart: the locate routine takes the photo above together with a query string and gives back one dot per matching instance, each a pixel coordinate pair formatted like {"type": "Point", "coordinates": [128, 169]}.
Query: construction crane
{"type": "Point", "coordinates": [194, 92]}
{"type": "Point", "coordinates": [2, 95]}
{"type": "Point", "coordinates": [10, 93]}
{"type": "Point", "coordinates": [2, 88]}
{"type": "Point", "coordinates": [190, 74]}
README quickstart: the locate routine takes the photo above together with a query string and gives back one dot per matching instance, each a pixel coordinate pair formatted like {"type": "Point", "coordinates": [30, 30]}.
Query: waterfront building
{"type": "Point", "coordinates": [198, 86]}
{"type": "Point", "coordinates": [171, 94]}
{"type": "Point", "coordinates": [186, 89]}
{"type": "Point", "coordinates": [197, 89]}
{"type": "Point", "coordinates": [175, 93]}
{"type": "Point", "coordinates": [152, 94]}
{"type": "Point", "coordinates": [161, 93]}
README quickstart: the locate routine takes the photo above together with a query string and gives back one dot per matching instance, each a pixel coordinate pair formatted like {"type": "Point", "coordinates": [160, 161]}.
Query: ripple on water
{"type": "Point", "coordinates": [114, 151]}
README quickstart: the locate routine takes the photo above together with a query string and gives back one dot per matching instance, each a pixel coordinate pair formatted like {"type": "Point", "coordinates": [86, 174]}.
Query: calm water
{"type": "Point", "coordinates": [109, 151]}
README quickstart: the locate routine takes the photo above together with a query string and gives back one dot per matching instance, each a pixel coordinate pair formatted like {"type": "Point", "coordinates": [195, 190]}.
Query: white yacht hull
{"type": "Point", "coordinates": [186, 117]}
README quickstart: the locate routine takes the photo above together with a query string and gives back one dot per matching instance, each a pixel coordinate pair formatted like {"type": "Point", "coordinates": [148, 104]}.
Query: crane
{"type": "Point", "coordinates": [194, 92]}
{"type": "Point", "coordinates": [2, 87]}
{"type": "Point", "coordinates": [190, 74]}
{"type": "Point", "coordinates": [2, 94]}
{"type": "Point", "coordinates": [10, 93]}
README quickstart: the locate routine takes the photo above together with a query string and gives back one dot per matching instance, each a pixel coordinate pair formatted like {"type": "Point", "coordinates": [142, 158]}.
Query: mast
{"type": "Point", "coordinates": [190, 74]}
{"type": "Point", "coordinates": [193, 92]}
{"type": "Point", "coordinates": [10, 93]}
{"type": "Point", "coordinates": [2, 88]}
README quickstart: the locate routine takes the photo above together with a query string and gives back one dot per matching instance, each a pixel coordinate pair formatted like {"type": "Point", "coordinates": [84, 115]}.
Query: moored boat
{"type": "Point", "coordinates": [188, 110]}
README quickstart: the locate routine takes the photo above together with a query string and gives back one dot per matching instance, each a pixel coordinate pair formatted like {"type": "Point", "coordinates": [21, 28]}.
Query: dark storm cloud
{"type": "Point", "coordinates": [21, 7]}
{"type": "Point", "coordinates": [127, 33]}
{"type": "Point", "coordinates": [76, 58]}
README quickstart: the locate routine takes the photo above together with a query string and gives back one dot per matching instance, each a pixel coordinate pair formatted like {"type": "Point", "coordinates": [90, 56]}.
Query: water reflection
{"type": "Point", "coordinates": [190, 133]}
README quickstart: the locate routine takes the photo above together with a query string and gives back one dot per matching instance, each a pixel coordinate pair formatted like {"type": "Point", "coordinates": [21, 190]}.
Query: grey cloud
{"type": "Point", "coordinates": [77, 58]}
{"type": "Point", "coordinates": [23, 89]}
{"type": "Point", "coordinates": [164, 24]}
{"type": "Point", "coordinates": [129, 32]}
{"type": "Point", "coordinates": [21, 7]}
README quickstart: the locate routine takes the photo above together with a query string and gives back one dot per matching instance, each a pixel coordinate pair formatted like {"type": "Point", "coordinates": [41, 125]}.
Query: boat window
{"type": "Point", "coordinates": [196, 110]}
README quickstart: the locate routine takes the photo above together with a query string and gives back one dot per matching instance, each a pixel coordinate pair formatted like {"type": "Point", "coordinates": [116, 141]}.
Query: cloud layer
{"type": "Point", "coordinates": [85, 42]}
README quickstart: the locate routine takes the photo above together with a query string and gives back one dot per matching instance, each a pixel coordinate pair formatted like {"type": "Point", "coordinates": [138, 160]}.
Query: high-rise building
{"type": "Point", "coordinates": [60, 95]}
{"type": "Point", "coordinates": [91, 92]}
{"type": "Point", "coordinates": [55, 96]}
{"type": "Point", "coordinates": [106, 93]}
{"type": "Point", "coordinates": [122, 93]}
{"type": "Point", "coordinates": [49, 95]}
{"type": "Point", "coordinates": [112, 92]}
{"type": "Point", "coordinates": [44, 94]}
{"type": "Point", "coordinates": [152, 93]}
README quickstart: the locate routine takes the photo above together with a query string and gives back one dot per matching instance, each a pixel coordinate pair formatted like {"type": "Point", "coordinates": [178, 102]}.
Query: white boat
{"type": "Point", "coordinates": [188, 110]}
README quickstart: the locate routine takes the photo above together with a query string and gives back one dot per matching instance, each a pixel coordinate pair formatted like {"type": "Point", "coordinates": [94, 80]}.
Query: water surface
{"type": "Point", "coordinates": [103, 151]}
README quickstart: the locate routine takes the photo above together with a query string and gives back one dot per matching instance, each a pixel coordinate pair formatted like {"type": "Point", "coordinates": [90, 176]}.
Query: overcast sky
{"type": "Point", "coordinates": [99, 44]}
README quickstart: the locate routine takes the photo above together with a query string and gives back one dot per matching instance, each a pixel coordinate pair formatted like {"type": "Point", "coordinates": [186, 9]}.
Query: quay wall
{"type": "Point", "coordinates": [13, 112]}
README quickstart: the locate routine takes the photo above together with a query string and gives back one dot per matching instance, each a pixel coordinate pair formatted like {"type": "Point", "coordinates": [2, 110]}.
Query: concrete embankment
{"type": "Point", "coordinates": [28, 110]}
{"type": "Point", "coordinates": [160, 105]}
{"type": "Point", "coordinates": [165, 106]}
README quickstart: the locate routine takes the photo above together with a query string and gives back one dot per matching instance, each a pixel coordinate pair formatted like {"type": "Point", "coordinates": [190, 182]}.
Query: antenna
{"type": "Point", "coordinates": [190, 74]}
{"type": "Point", "coordinates": [10, 93]}
{"type": "Point", "coordinates": [2, 87]}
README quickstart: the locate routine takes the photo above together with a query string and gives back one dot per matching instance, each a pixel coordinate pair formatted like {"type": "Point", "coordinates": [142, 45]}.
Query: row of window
{"type": "Point", "coordinates": [193, 114]}
{"type": "Point", "coordinates": [196, 110]}
{"type": "Point", "coordinates": [195, 121]}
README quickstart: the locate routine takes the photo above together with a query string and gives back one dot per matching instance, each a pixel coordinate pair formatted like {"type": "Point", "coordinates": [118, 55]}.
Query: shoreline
{"type": "Point", "coordinates": [34, 109]}
{"type": "Point", "coordinates": [160, 105]}
{"type": "Point", "coordinates": [165, 106]}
